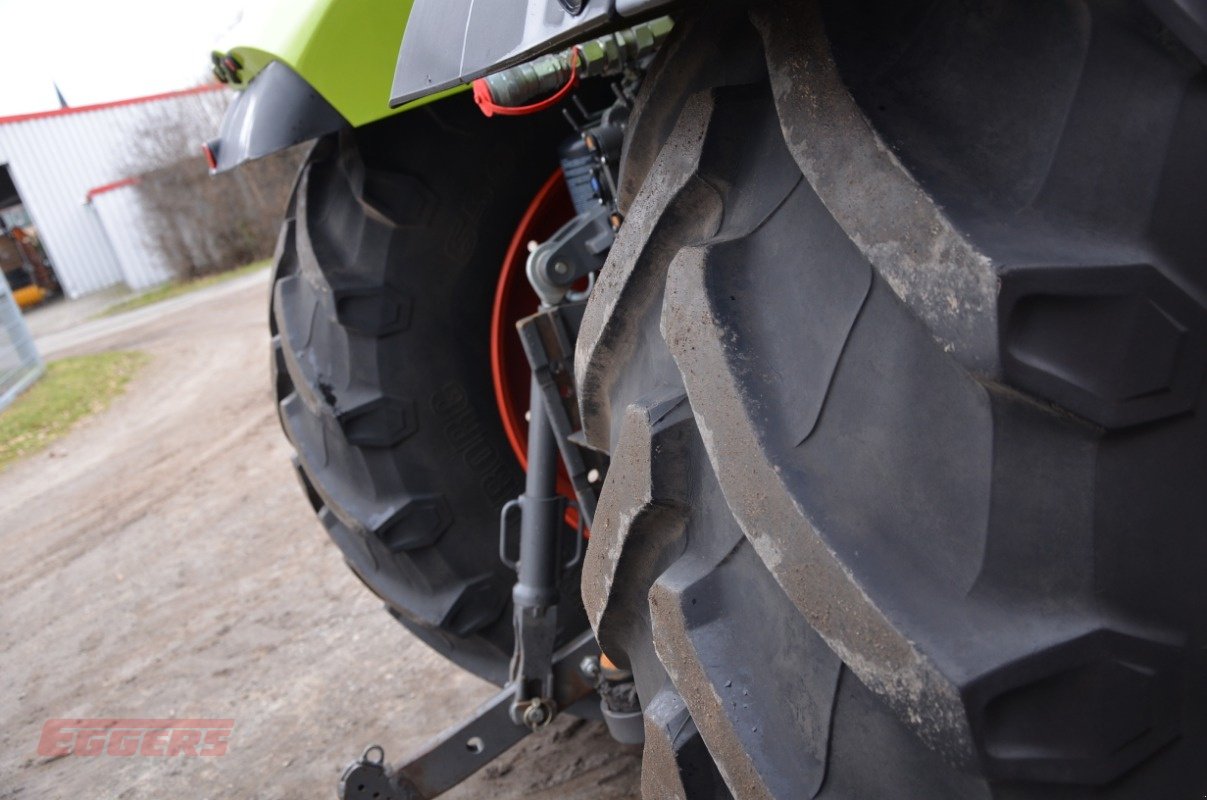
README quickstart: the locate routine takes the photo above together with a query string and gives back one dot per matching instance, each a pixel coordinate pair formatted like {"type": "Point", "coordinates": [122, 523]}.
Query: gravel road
{"type": "Point", "coordinates": [160, 561]}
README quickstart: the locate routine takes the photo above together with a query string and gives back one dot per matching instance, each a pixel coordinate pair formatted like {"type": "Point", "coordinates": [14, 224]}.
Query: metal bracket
{"type": "Point", "coordinates": [461, 751]}
{"type": "Point", "coordinates": [505, 543]}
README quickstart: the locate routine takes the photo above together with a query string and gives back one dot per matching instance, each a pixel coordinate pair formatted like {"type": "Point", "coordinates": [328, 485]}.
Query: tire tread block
{"type": "Point", "coordinates": [675, 762]}
{"type": "Point", "coordinates": [640, 518]}
{"type": "Point", "coordinates": [759, 682]}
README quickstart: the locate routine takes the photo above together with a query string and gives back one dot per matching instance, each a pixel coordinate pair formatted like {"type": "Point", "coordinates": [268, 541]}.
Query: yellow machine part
{"type": "Point", "coordinates": [29, 296]}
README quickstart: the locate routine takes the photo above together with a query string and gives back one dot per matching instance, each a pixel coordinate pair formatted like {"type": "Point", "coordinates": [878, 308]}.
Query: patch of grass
{"type": "Point", "coordinates": [176, 288]}
{"type": "Point", "coordinates": [71, 389]}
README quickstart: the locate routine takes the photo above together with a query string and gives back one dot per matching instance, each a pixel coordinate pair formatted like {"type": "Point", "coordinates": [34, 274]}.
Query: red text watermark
{"type": "Point", "coordinates": [135, 737]}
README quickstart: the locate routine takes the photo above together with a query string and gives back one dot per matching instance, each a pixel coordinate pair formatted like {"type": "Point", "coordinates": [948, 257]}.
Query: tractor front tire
{"type": "Point", "coordinates": [385, 274]}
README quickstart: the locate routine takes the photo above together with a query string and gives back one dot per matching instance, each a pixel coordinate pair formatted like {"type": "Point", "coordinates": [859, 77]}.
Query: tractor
{"type": "Point", "coordinates": [810, 389]}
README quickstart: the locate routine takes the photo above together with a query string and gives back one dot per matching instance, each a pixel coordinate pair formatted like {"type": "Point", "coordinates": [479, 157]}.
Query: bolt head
{"type": "Point", "coordinates": [537, 715]}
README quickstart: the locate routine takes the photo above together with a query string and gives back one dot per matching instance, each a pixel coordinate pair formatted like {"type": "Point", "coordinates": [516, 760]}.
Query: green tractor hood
{"type": "Point", "coordinates": [344, 49]}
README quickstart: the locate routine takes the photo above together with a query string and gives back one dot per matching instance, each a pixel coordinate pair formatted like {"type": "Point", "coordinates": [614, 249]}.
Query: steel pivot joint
{"type": "Point", "coordinates": [578, 249]}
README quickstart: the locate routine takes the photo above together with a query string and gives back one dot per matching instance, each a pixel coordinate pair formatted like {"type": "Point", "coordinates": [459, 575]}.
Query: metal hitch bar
{"type": "Point", "coordinates": [538, 567]}
{"type": "Point", "coordinates": [459, 752]}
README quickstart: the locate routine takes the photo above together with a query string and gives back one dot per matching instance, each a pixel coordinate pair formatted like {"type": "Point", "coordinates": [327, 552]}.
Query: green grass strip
{"type": "Point", "coordinates": [176, 288]}
{"type": "Point", "coordinates": [72, 389]}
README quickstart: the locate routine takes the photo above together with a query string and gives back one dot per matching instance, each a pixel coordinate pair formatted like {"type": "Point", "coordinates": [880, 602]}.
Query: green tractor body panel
{"type": "Point", "coordinates": [307, 68]}
{"type": "Point", "coordinates": [345, 49]}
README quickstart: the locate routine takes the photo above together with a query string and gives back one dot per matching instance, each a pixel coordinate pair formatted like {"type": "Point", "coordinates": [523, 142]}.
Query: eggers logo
{"type": "Point", "coordinates": [135, 737]}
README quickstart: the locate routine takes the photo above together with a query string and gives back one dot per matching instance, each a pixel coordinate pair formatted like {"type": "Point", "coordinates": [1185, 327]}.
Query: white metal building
{"type": "Point", "coordinates": [75, 170]}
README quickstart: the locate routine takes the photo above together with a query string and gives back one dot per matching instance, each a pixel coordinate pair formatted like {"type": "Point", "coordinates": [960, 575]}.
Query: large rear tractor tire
{"type": "Point", "coordinates": [898, 358]}
{"type": "Point", "coordinates": [381, 309]}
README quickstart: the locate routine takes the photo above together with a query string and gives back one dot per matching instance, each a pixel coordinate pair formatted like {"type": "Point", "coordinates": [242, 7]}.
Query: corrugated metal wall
{"type": "Point", "coordinates": [120, 212]}
{"type": "Point", "coordinates": [56, 159]}
{"type": "Point", "coordinates": [53, 189]}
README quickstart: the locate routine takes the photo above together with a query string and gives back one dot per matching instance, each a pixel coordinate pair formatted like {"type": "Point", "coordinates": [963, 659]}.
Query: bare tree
{"type": "Point", "coordinates": [198, 223]}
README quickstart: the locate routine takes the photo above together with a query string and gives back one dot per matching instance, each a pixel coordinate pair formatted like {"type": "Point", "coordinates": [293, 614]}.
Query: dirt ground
{"type": "Point", "coordinates": [160, 561]}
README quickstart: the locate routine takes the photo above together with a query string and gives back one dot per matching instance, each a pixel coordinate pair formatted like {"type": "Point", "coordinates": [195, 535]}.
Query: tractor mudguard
{"type": "Point", "coordinates": [305, 68]}
{"type": "Point", "coordinates": [278, 110]}
{"type": "Point", "coordinates": [345, 49]}
{"type": "Point", "coordinates": [449, 43]}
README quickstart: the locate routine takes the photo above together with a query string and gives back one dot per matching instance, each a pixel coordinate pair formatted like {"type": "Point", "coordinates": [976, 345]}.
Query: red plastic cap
{"type": "Point", "coordinates": [482, 97]}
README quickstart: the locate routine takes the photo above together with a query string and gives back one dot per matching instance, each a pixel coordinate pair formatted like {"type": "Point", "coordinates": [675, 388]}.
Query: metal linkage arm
{"type": "Point", "coordinates": [459, 752]}
{"type": "Point", "coordinates": [548, 338]}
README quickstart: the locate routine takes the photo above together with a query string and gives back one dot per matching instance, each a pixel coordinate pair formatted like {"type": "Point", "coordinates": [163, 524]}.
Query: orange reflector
{"type": "Point", "coordinates": [211, 160]}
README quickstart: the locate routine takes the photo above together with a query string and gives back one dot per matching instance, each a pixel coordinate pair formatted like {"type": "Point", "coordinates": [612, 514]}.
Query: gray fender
{"type": "Point", "coordinates": [278, 109]}
{"type": "Point", "coordinates": [451, 42]}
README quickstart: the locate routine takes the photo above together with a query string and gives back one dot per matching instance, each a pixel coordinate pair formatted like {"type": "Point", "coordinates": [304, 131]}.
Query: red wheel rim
{"type": "Point", "coordinates": [514, 299]}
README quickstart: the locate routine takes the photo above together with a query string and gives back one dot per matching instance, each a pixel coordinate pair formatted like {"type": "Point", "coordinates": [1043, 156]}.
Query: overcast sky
{"type": "Point", "coordinates": [100, 50]}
